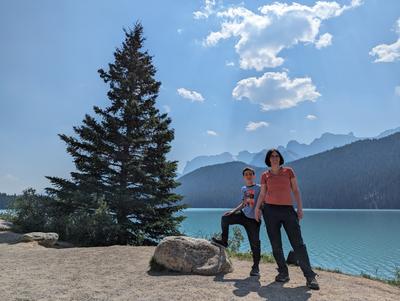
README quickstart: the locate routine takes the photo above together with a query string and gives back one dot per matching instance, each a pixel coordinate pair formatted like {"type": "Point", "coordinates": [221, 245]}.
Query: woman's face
{"type": "Point", "coordinates": [274, 159]}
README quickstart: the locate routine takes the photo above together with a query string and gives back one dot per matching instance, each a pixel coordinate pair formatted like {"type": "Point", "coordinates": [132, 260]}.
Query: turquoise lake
{"type": "Point", "coordinates": [354, 241]}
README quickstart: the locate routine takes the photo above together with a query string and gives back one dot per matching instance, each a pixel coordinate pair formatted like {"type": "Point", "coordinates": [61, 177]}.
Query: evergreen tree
{"type": "Point", "coordinates": [120, 154]}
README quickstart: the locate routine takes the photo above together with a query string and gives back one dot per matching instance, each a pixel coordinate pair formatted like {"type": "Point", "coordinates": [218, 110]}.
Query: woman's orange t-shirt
{"type": "Point", "coordinates": [278, 186]}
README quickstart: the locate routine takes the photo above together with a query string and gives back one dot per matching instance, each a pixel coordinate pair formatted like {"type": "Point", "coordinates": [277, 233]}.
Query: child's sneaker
{"type": "Point", "coordinates": [219, 242]}
{"type": "Point", "coordinates": [255, 271]}
{"type": "Point", "coordinates": [282, 277]}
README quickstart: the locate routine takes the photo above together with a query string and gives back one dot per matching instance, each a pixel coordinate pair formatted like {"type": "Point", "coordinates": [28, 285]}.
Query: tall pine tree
{"type": "Point", "coordinates": [120, 154]}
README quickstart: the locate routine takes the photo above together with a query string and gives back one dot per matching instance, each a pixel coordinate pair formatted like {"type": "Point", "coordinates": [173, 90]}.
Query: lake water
{"type": "Point", "coordinates": [354, 241]}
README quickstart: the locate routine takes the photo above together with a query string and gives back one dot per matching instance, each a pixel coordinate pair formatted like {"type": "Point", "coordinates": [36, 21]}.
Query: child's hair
{"type": "Point", "coordinates": [248, 169]}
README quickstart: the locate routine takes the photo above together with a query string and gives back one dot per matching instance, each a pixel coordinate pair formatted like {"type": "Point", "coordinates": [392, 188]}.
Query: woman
{"type": "Point", "coordinates": [277, 183]}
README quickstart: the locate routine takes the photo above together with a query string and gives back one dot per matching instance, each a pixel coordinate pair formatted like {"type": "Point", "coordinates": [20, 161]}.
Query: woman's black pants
{"type": "Point", "coordinates": [276, 216]}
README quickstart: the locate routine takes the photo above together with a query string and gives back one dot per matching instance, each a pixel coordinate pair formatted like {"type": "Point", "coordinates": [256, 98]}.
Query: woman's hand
{"type": "Point", "coordinates": [258, 214]}
{"type": "Point", "coordinates": [300, 213]}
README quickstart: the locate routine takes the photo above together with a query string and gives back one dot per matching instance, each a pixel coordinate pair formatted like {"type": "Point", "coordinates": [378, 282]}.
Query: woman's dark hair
{"type": "Point", "coordinates": [248, 169]}
{"type": "Point", "coordinates": [268, 157]}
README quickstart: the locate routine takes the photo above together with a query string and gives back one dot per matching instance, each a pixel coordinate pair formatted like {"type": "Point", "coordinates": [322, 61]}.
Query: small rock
{"type": "Point", "coordinates": [192, 255]}
{"type": "Point", "coordinates": [43, 238]}
{"type": "Point", "coordinates": [5, 225]}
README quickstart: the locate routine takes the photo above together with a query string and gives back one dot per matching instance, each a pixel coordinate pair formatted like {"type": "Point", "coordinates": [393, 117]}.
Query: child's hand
{"type": "Point", "coordinates": [258, 214]}
{"type": "Point", "coordinates": [228, 212]}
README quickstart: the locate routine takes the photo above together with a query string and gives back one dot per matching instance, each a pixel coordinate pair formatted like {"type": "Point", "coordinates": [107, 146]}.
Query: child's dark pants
{"type": "Point", "coordinates": [252, 228]}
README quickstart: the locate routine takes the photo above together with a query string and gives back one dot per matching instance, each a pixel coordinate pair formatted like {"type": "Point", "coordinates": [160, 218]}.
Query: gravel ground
{"type": "Point", "coordinates": [32, 272]}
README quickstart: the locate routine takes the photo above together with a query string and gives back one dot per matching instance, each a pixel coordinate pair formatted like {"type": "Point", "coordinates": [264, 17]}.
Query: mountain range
{"type": "Point", "coordinates": [362, 174]}
{"type": "Point", "coordinates": [293, 151]}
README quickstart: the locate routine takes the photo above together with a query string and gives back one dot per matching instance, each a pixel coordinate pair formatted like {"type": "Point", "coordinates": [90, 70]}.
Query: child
{"type": "Point", "coordinates": [244, 215]}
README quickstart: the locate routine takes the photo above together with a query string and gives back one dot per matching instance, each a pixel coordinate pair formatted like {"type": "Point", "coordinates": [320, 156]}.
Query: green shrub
{"type": "Point", "coordinates": [85, 227]}
{"type": "Point", "coordinates": [30, 212]}
{"type": "Point", "coordinates": [90, 229]}
{"type": "Point", "coordinates": [236, 240]}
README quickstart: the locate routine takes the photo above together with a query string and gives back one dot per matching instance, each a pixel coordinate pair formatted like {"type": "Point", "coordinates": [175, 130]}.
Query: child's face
{"type": "Point", "coordinates": [249, 176]}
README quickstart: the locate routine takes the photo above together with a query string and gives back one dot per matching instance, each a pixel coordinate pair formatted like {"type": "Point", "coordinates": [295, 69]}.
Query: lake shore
{"type": "Point", "coordinates": [32, 272]}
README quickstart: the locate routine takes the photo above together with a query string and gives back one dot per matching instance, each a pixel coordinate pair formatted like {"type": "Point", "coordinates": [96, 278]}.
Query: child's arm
{"type": "Point", "coordinates": [237, 208]}
{"type": "Point", "coordinates": [260, 200]}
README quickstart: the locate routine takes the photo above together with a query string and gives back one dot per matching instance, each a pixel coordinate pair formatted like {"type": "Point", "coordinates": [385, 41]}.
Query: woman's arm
{"type": "Point", "coordinates": [297, 197]}
{"type": "Point", "coordinates": [260, 200]}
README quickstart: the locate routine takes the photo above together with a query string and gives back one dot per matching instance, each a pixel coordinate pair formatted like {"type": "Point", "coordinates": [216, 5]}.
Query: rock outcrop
{"type": "Point", "coordinates": [192, 255]}
{"type": "Point", "coordinates": [45, 239]}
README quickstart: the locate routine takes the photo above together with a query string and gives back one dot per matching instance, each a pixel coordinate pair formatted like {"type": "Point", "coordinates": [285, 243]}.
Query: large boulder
{"type": "Point", "coordinates": [192, 255]}
{"type": "Point", "coordinates": [45, 239]}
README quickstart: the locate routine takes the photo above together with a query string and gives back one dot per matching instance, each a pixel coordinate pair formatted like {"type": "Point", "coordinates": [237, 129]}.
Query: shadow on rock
{"type": "Point", "coordinates": [10, 238]}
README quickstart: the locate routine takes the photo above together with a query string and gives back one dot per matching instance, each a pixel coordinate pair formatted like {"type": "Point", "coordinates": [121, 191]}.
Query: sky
{"type": "Point", "coordinates": [236, 75]}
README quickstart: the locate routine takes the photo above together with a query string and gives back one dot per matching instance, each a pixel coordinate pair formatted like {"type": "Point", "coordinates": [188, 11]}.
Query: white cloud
{"type": "Point", "coordinates": [311, 117]}
{"type": "Point", "coordinates": [230, 64]}
{"type": "Point", "coordinates": [275, 90]}
{"type": "Point", "coordinates": [179, 30]}
{"type": "Point", "coordinates": [387, 53]}
{"type": "Point", "coordinates": [212, 133]}
{"type": "Point", "coordinates": [324, 41]}
{"type": "Point", "coordinates": [262, 36]}
{"type": "Point", "coordinates": [207, 10]}
{"type": "Point", "coordinates": [397, 90]}
{"type": "Point", "coordinates": [167, 108]}
{"type": "Point", "coordinates": [191, 95]}
{"type": "Point", "coordinates": [252, 126]}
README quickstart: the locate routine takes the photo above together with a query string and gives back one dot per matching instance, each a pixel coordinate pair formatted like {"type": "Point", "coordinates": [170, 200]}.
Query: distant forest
{"type": "Point", "coordinates": [5, 200]}
{"type": "Point", "coordinates": [363, 174]}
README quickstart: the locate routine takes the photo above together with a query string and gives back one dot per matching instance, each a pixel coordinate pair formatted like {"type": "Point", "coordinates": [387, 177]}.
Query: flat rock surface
{"type": "Point", "coordinates": [47, 239]}
{"type": "Point", "coordinates": [33, 272]}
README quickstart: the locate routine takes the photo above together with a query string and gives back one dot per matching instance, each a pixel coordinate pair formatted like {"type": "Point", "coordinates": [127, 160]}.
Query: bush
{"type": "Point", "coordinates": [236, 241]}
{"type": "Point", "coordinates": [30, 212]}
{"type": "Point", "coordinates": [86, 227]}
{"type": "Point", "coordinates": [91, 229]}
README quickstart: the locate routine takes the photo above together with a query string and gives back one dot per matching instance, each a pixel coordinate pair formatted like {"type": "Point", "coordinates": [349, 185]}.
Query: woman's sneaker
{"type": "Point", "coordinates": [312, 283]}
{"type": "Point", "coordinates": [219, 242]}
{"type": "Point", "coordinates": [255, 271]}
{"type": "Point", "coordinates": [281, 277]}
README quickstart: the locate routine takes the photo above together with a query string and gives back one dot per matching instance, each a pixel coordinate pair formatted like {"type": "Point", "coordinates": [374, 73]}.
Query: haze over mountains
{"type": "Point", "coordinates": [363, 174]}
{"type": "Point", "coordinates": [293, 151]}
{"type": "Point", "coordinates": [358, 174]}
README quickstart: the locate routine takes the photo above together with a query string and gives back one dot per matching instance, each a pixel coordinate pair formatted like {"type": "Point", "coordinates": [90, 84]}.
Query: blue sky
{"type": "Point", "coordinates": [249, 85]}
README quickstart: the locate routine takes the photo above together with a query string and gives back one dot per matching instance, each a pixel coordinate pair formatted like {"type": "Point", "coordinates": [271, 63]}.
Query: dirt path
{"type": "Point", "coordinates": [32, 272]}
